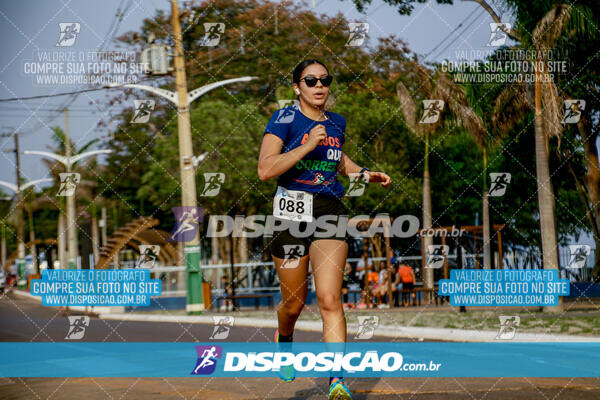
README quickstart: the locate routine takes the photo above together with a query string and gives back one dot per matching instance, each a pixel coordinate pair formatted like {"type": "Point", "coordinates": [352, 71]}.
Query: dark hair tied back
{"type": "Point", "coordinates": [300, 67]}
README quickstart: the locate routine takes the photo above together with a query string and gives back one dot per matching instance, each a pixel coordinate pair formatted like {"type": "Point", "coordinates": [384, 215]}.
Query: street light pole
{"type": "Point", "coordinates": [20, 234]}
{"type": "Point", "coordinates": [195, 303]}
{"type": "Point", "coordinates": [182, 99]}
{"type": "Point", "coordinates": [68, 160]}
{"type": "Point", "coordinates": [71, 231]}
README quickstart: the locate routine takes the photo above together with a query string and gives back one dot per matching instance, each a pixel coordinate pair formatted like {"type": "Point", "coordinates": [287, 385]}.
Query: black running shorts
{"type": "Point", "coordinates": [284, 245]}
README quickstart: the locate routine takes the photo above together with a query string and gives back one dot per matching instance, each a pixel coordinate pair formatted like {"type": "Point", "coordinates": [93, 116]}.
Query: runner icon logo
{"type": "Point", "coordinates": [499, 183]}
{"type": "Point", "coordinates": [212, 183]}
{"type": "Point", "coordinates": [285, 116]}
{"type": "Point", "coordinates": [68, 33]}
{"type": "Point", "coordinates": [222, 326]}
{"type": "Point", "coordinates": [579, 254]}
{"type": "Point", "coordinates": [435, 255]}
{"type": "Point", "coordinates": [358, 183]}
{"type": "Point", "coordinates": [497, 35]}
{"type": "Point", "coordinates": [143, 109]}
{"type": "Point", "coordinates": [68, 183]}
{"type": "Point", "coordinates": [358, 33]}
{"type": "Point", "coordinates": [187, 221]}
{"type": "Point", "coordinates": [293, 252]}
{"type": "Point", "coordinates": [212, 35]}
{"type": "Point", "coordinates": [148, 255]}
{"type": "Point", "coordinates": [207, 359]}
{"type": "Point", "coordinates": [77, 325]}
{"type": "Point", "coordinates": [573, 109]}
{"type": "Point", "coordinates": [366, 326]}
{"type": "Point", "coordinates": [508, 326]}
{"type": "Point", "coordinates": [432, 109]}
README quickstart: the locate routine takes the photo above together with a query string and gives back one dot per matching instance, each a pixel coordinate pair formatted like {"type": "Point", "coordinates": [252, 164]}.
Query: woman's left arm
{"type": "Point", "coordinates": [347, 166]}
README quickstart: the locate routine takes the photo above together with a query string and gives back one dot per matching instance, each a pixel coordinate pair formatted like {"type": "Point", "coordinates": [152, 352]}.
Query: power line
{"type": "Point", "coordinates": [450, 34]}
{"type": "Point", "coordinates": [118, 19]}
{"type": "Point", "coordinates": [43, 96]}
{"type": "Point", "coordinates": [75, 92]}
{"type": "Point", "coordinates": [462, 33]}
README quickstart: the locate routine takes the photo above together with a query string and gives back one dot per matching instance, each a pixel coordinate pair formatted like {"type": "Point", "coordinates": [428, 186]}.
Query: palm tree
{"type": "Point", "coordinates": [516, 100]}
{"type": "Point", "coordinates": [55, 168]}
{"type": "Point", "coordinates": [433, 85]}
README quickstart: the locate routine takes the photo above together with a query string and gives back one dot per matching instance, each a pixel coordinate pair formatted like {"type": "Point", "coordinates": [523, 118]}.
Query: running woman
{"type": "Point", "coordinates": [302, 147]}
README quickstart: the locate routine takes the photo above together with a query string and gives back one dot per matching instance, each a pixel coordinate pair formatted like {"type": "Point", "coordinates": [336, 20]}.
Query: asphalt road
{"type": "Point", "coordinates": [25, 320]}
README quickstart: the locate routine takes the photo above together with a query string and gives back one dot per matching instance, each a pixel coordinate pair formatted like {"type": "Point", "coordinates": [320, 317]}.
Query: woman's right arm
{"type": "Point", "coordinates": [272, 163]}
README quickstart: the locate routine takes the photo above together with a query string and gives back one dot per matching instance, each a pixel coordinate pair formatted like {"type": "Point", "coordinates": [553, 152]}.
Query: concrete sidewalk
{"type": "Point", "coordinates": [398, 332]}
{"type": "Point", "coordinates": [390, 331]}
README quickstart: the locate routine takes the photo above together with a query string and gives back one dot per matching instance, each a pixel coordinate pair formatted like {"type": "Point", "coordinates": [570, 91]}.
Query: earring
{"type": "Point", "coordinates": [297, 91]}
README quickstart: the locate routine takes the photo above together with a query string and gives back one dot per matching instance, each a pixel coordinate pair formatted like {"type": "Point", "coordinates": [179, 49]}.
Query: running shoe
{"type": "Point", "coordinates": [339, 391]}
{"type": "Point", "coordinates": [287, 372]}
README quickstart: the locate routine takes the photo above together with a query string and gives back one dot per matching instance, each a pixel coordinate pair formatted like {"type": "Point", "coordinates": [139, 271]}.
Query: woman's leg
{"type": "Point", "coordinates": [328, 258]}
{"type": "Point", "coordinates": [294, 287]}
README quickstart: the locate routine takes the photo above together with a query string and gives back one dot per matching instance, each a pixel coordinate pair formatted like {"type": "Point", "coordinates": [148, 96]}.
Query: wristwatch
{"type": "Point", "coordinates": [363, 170]}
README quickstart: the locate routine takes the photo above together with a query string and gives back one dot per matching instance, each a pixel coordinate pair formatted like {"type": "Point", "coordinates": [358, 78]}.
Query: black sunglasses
{"type": "Point", "coordinates": [311, 81]}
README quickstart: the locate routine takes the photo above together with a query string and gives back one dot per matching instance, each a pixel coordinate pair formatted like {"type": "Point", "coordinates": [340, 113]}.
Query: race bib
{"type": "Point", "coordinates": [295, 205]}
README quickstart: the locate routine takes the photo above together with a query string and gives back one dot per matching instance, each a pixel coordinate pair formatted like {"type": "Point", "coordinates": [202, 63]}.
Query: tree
{"type": "Point", "coordinates": [433, 85]}
{"type": "Point", "coordinates": [548, 111]}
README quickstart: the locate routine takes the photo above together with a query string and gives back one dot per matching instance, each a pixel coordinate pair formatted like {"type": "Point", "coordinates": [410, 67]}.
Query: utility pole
{"type": "Point", "coordinates": [71, 222]}
{"type": "Point", "coordinates": [20, 234]}
{"type": "Point", "coordinates": [182, 99]}
{"type": "Point", "coordinates": [195, 303]}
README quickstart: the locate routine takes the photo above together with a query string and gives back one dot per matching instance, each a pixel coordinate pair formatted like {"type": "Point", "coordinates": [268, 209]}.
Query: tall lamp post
{"type": "Point", "coordinates": [68, 160]}
{"type": "Point", "coordinates": [182, 99]}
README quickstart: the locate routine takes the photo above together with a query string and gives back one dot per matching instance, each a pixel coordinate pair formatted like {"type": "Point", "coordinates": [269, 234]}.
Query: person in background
{"type": "Point", "coordinates": [406, 278]}
{"type": "Point", "coordinates": [345, 283]}
{"type": "Point", "coordinates": [380, 289]}
{"type": "Point", "coordinates": [372, 284]}
{"type": "Point", "coordinates": [360, 276]}
{"type": "Point", "coordinates": [226, 286]}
